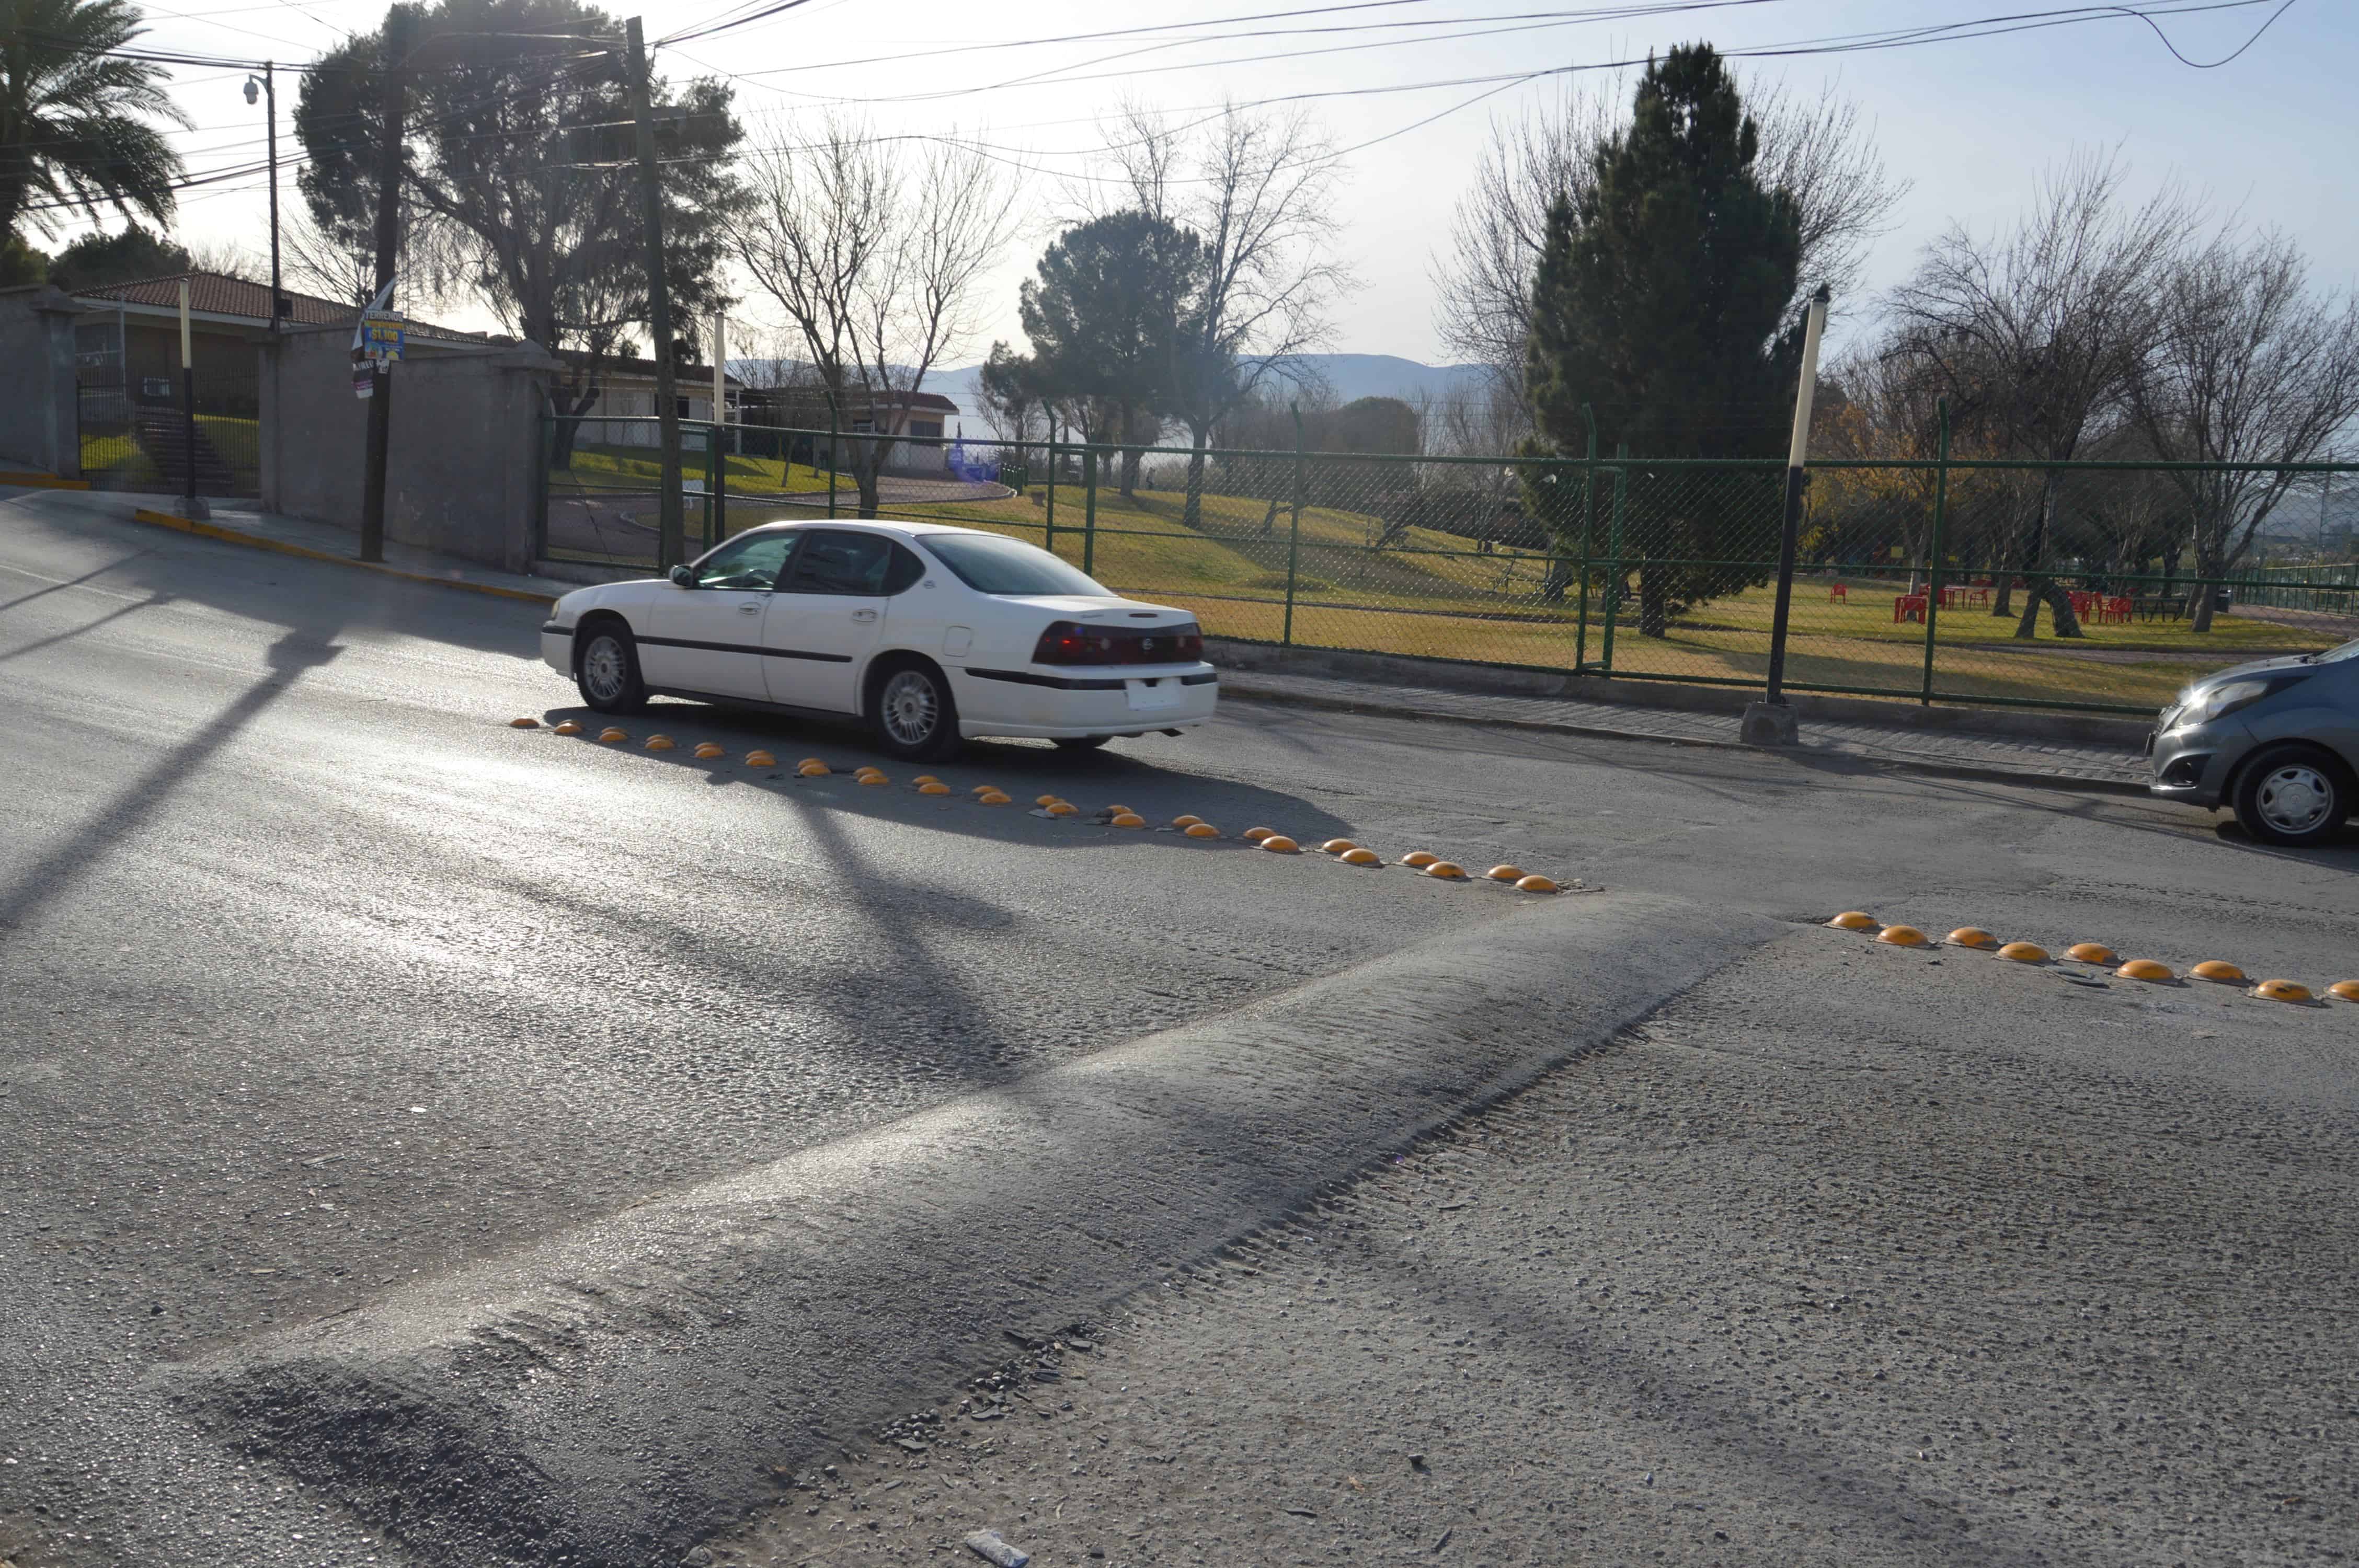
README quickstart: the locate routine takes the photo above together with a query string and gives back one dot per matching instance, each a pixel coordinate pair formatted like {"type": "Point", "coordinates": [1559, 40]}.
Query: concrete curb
{"type": "Point", "coordinates": [282, 546]}
{"type": "Point", "coordinates": [1247, 689]}
{"type": "Point", "coordinates": [41, 482]}
{"type": "Point", "coordinates": [616, 1392]}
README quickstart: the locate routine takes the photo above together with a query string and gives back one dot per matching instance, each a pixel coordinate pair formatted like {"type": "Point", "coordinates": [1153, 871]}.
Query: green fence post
{"type": "Point", "coordinates": [1048, 540]}
{"type": "Point", "coordinates": [833, 436]}
{"type": "Point", "coordinates": [1089, 510]}
{"type": "Point", "coordinates": [1293, 534]}
{"type": "Point", "coordinates": [1613, 554]}
{"type": "Point", "coordinates": [1588, 492]}
{"type": "Point", "coordinates": [1941, 536]}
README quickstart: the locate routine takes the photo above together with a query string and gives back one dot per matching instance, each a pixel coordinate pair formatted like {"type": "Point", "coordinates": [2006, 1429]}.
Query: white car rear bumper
{"type": "Point", "coordinates": [1023, 703]}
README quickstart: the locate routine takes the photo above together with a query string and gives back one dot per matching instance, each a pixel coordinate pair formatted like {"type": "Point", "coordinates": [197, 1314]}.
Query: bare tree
{"type": "Point", "coordinates": [2249, 367]}
{"type": "Point", "coordinates": [1258, 191]}
{"type": "Point", "coordinates": [2039, 334]}
{"type": "Point", "coordinates": [1817, 149]}
{"type": "Point", "coordinates": [320, 264]}
{"type": "Point", "coordinates": [876, 261]}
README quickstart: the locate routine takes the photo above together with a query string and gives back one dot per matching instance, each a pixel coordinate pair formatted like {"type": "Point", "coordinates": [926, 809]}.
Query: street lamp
{"type": "Point", "coordinates": [262, 90]}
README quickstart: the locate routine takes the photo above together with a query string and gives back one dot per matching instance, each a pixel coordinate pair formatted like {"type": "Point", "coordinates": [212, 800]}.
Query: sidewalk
{"type": "Point", "coordinates": [1919, 750]}
{"type": "Point", "coordinates": [2002, 758]}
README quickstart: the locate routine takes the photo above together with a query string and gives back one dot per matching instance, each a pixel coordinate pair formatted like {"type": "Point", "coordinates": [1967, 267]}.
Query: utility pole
{"type": "Point", "coordinates": [269, 95]}
{"type": "Point", "coordinates": [670, 542]}
{"type": "Point", "coordinates": [1770, 722]}
{"type": "Point", "coordinates": [388, 248]}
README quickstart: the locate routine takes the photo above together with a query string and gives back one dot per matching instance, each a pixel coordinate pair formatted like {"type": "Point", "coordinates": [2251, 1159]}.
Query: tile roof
{"type": "Point", "coordinates": [220, 294]}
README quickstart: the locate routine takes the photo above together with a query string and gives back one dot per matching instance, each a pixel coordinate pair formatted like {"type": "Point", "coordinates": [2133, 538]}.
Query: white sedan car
{"type": "Point", "coordinates": [933, 634]}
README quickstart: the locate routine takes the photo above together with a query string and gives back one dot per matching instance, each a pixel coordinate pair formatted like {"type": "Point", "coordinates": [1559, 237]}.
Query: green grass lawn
{"type": "Point", "coordinates": [637, 468]}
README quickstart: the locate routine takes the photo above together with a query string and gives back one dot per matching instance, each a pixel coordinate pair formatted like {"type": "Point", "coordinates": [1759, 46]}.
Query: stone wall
{"type": "Point", "coordinates": [39, 427]}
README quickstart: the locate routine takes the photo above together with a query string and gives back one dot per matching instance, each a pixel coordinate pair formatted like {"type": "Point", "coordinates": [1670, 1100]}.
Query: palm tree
{"type": "Point", "coordinates": [72, 108]}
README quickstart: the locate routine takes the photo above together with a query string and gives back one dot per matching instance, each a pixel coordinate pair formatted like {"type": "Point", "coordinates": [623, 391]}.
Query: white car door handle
{"type": "Point", "coordinates": [749, 609]}
{"type": "Point", "coordinates": [864, 615]}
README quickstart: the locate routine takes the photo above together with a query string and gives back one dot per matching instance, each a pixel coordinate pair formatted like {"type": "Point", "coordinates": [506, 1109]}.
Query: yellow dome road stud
{"type": "Point", "coordinates": [611, 733]}
{"type": "Point", "coordinates": [709, 750]}
{"type": "Point", "coordinates": [1279, 844]}
{"type": "Point", "coordinates": [1046, 799]}
{"type": "Point", "coordinates": [2347, 989]}
{"type": "Point", "coordinates": [1187, 821]}
{"type": "Point", "coordinates": [812, 770]}
{"type": "Point", "coordinates": [1420, 860]}
{"type": "Point", "coordinates": [1062, 808]}
{"type": "Point", "coordinates": [875, 779]}
{"type": "Point", "coordinates": [1505, 873]}
{"type": "Point", "coordinates": [1120, 811]}
{"type": "Point", "coordinates": [1201, 831]}
{"type": "Point", "coordinates": [2091, 953]}
{"type": "Point", "coordinates": [1971, 936]}
{"type": "Point", "coordinates": [1853, 919]}
{"type": "Point", "coordinates": [925, 779]}
{"type": "Point", "coordinates": [567, 727]}
{"type": "Point", "coordinates": [1127, 819]}
{"type": "Point", "coordinates": [937, 787]}
{"type": "Point", "coordinates": [2024, 953]}
{"type": "Point", "coordinates": [1903, 936]}
{"type": "Point", "coordinates": [2283, 990]}
{"type": "Point", "coordinates": [995, 797]}
{"type": "Point", "coordinates": [1448, 871]}
{"type": "Point", "coordinates": [1256, 835]}
{"type": "Point", "coordinates": [760, 760]}
{"type": "Point", "coordinates": [986, 789]}
{"type": "Point", "coordinates": [1537, 884]}
{"type": "Point", "coordinates": [1356, 855]}
{"type": "Point", "coordinates": [1338, 847]}
{"type": "Point", "coordinates": [524, 723]}
{"type": "Point", "coordinates": [2219, 972]}
{"type": "Point", "coordinates": [659, 742]}
{"type": "Point", "coordinates": [2145, 970]}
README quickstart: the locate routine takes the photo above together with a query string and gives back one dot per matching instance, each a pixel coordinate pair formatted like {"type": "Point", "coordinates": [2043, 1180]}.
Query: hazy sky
{"type": "Point", "coordinates": [1971, 123]}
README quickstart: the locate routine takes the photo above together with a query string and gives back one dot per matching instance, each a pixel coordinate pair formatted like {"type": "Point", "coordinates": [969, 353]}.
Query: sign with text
{"type": "Point", "coordinates": [384, 335]}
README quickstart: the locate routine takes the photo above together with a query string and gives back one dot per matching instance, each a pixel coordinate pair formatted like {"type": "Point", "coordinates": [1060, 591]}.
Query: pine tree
{"type": "Point", "coordinates": [1657, 302]}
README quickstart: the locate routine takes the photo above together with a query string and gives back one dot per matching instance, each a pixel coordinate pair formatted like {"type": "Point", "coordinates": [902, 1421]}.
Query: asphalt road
{"type": "Point", "coordinates": [317, 980]}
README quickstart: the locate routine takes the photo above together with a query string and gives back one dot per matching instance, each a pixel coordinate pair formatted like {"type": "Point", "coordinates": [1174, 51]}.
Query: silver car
{"type": "Point", "coordinates": [2276, 740]}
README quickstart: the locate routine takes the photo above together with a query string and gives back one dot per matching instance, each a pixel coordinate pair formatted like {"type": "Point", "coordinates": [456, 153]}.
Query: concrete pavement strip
{"type": "Point", "coordinates": [614, 1394]}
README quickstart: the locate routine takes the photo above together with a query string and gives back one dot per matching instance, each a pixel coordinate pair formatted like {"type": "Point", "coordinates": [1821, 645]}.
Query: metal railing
{"type": "Point", "coordinates": [1912, 584]}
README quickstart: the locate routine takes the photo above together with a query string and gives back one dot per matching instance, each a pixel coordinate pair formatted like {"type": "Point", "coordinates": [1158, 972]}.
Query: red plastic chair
{"type": "Point", "coordinates": [1909, 607]}
{"type": "Point", "coordinates": [1839, 594]}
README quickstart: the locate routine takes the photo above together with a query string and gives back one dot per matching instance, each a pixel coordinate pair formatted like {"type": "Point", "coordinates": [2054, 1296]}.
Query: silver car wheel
{"type": "Point", "coordinates": [604, 667]}
{"type": "Point", "coordinates": [909, 707]}
{"type": "Point", "coordinates": [2295, 798]}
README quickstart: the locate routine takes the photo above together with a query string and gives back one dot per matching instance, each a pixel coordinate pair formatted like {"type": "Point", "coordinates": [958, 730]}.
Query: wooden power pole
{"type": "Point", "coordinates": [388, 249]}
{"type": "Point", "coordinates": [670, 546]}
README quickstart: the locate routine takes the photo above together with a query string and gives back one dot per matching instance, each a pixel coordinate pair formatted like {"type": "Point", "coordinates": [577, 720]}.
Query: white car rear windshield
{"type": "Point", "coordinates": [990, 564]}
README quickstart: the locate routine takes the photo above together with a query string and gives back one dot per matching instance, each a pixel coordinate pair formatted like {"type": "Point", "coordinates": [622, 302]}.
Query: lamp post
{"type": "Point", "coordinates": [267, 91]}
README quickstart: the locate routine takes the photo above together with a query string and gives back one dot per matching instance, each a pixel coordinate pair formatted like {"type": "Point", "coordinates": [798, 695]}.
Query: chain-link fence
{"type": "Point", "coordinates": [1911, 583]}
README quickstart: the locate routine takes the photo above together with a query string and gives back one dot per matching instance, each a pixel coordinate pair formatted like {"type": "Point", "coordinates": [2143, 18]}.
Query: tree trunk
{"type": "Point", "coordinates": [1269, 519]}
{"type": "Point", "coordinates": [568, 402]}
{"type": "Point", "coordinates": [1191, 512]}
{"type": "Point", "coordinates": [1654, 601]}
{"type": "Point", "coordinates": [1130, 461]}
{"type": "Point", "coordinates": [2203, 593]}
{"type": "Point", "coordinates": [2060, 610]}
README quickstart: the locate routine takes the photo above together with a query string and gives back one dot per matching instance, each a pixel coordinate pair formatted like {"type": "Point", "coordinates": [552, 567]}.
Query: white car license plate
{"type": "Point", "coordinates": [1146, 695]}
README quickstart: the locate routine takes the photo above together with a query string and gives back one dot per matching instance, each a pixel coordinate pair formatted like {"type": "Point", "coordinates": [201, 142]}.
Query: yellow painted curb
{"type": "Point", "coordinates": [1202, 830]}
{"type": "Point", "coordinates": [1128, 819]}
{"type": "Point", "coordinates": [524, 723]}
{"type": "Point", "coordinates": [1419, 858]}
{"type": "Point", "coordinates": [1972, 937]}
{"type": "Point", "coordinates": [760, 760]}
{"type": "Point", "coordinates": [1356, 855]}
{"type": "Point", "coordinates": [279, 546]}
{"type": "Point", "coordinates": [1505, 873]}
{"type": "Point", "coordinates": [1853, 919]}
{"type": "Point", "coordinates": [2145, 970]}
{"type": "Point", "coordinates": [2219, 972]}
{"type": "Point", "coordinates": [2283, 990]}
{"type": "Point", "coordinates": [1448, 872]}
{"type": "Point", "coordinates": [567, 727]}
{"type": "Point", "coordinates": [2091, 953]}
{"type": "Point", "coordinates": [1279, 844]}
{"type": "Point", "coordinates": [1537, 884]}
{"type": "Point", "coordinates": [1338, 845]}
{"type": "Point", "coordinates": [1902, 936]}
{"type": "Point", "coordinates": [610, 733]}
{"type": "Point", "coordinates": [2347, 989]}
{"type": "Point", "coordinates": [42, 481]}
{"type": "Point", "coordinates": [1256, 835]}
{"type": "Point", "coordinates": [2024, 953]}
{"type": "Point", "coordinates": [708, 750]}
